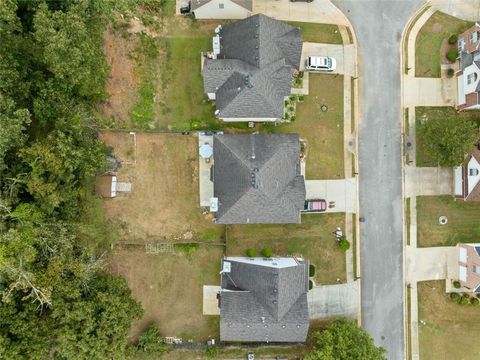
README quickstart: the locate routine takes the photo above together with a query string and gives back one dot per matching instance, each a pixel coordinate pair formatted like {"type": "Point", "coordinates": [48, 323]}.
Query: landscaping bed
{"type": "Point", "coordinates": [430, 38]}
{"type": "Point", "coordinates": [462, 224]}
{"type": "Point", "coordinates": [313, 239]}
{"type": "Point", "coordinates": [447, 330]}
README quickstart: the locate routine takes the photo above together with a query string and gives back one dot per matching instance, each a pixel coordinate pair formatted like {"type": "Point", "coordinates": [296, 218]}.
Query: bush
{"type": "Point", "coordinates": [301, 98]}
{"type": "Point", "coordinates": [344, 243]}
{"type": "Point", "coordinates": [251, 252]}
{"type": "Point", "coordinates": [150, 341]}
{"type": "Point", "coordinates": [293, 98]}
{"type": "Point", "coordinates": [211, 352]}
{"type": "Point", "coordinates": [293, 118]}
{"type": "Point", "coordinates": [452, 55]}
{"type": "Point", "coordinates": [450, 72]}
{"type": "Point", "coordinates": [291, 108]}
{"type": "Point", "coordinates": [465, 299]}
{"type": "Point", "coordinates": [474, 301]}
{"type": "Point", "coordinates": [456, 284]}
{"type": "Point", "coordinates": [453, 39]}
{"type": "Point", "coordinates": [286, 103]}
{"type": "Point", "coordinates": [455, 297]}
{"type": "Point", "coordinates": [267, 252]}
{"type": "Point", "coordinates": [310, 284]}
{"type": "Point", "coordinates": [311, 270]}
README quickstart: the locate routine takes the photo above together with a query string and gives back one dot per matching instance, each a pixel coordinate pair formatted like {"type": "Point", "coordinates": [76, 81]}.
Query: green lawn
{"type": "Point", "coordinates": [312, 238]}
{"type": "Point", "coordinates": [450, 330]}
{"type": "Point", "coordinates": [429, 42]}
{"type": "Point", "coordinates": [319, 33]}
{"type": "Point", "coordinates": [323, 131]}
{"type": "Point", "coordinates": [427, 113]}
{"type": "Point", "coordinates": [463, 221]}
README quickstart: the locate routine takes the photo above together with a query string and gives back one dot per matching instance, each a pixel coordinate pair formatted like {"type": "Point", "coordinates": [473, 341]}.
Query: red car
{"type": "Point", "coordinates": [315, 205]}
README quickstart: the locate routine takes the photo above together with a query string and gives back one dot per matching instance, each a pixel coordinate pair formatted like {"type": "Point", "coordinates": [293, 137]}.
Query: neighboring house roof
{"type": "Point", "coordinates": [469, 265]}
{"type": "Point", "coordinates": [247, 4]}
{"type": "Point", "coordinates": [253, 72]}
{"type": "Point", "coordinates": [472, 182]}
{"type": "Point", "coordinates": [257, 178]}
{"type": "Point", "coordinates": [105, 185]}
{"type": "Point", "coordinates": [264, 300]}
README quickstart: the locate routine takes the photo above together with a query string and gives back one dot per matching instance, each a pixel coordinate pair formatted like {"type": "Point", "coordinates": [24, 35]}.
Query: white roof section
{"type": "Point", "coordinates": [462, 273]}
{"type": "Point", "coordinates": [458, 178]}
{"type": "Point", "coordinates": [475, 178]}
{"type": "Point", "coordinates": [274, 262]}
{"type": "Point", "coordinates": [462, 255]}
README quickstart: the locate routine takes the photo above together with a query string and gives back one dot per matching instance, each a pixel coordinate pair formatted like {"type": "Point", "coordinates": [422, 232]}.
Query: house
{"type": "Point", "coordinates": [250, 72]}
{"type": "Point", "coordinates": [467, 177]}
{"type": "Point", "coordinates": [221, 9]}
{"type": "Point", "coordinates": [257, 179]}
{"type": "Point", "coordinates": [106, 185]}
{"type": "Point", "coordinates": [468, 75]}
{"type": "Point", "coordinates": [469, 266]}
{"type": "Point", "coordinates": [264, 299]}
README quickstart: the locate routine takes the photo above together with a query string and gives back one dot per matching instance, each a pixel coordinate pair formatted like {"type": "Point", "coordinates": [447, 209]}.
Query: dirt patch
{"type": "Point", "coordinates": [163, 205]}
{"type": "Point", "coordinates": [170, 288]}
{"type": "Point", "coordinates": [437, 27]}
{"type": "Point", "coordinates": [121, 85]}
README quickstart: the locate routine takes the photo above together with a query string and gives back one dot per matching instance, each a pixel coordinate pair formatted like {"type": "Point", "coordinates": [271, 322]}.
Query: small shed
{"type": "Point", "coordinates": [106, 185]}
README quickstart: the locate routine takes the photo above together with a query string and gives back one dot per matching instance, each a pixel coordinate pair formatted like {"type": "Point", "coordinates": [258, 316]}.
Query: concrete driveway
{"type": "Point", "coordinates": [340, 194]}
{"type": "Point", "coordinates": [320, 11]}
{"type": "Point", "coordinates": [434, 263]}
{"type": "Point", "coordinates": [378, 26]}
{"type": "Point", "coordinates": [428, 181]}
{"type": "Point", "coordinates": [430, 91]}
{"type": "Point", "coordinates": [329, 301]}
{"type": "Point", "coordinates": [343, 54]}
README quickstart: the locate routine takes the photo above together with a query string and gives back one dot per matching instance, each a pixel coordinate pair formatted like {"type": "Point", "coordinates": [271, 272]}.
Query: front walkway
{"type": "Point", "coordinates": [329, 301]}
{"type": "Point", "coordinates": [340, 194]}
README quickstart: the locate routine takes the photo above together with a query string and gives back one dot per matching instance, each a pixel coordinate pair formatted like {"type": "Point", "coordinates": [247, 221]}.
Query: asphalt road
{"type": "Point", "coordinates": [378, 26]}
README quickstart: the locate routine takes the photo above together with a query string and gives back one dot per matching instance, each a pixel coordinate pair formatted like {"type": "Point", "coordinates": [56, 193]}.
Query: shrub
{"type": "Point", "coordinates": [293, 118]}
{"type": "Point", "coordinates": [465, 299]}
{"type": "Point", "coordinates": [251, 252]}
{"type": "Point", "coordinates": [450, 72]}
{"type": "Point", "coordinates": [310, 284]}
{"type": "Point", "coordinates": [286, 103]}
{"type": "Point", "coordinates": [293, 98]}
{"type": "Point", "coordinates": [311, 270]}
{"type": "Point", "coordinates": [452, 55]}
{"type": "Point", "coordinates": [453, 39]}
{"type": "Point", "coordinates": [150, 341]}
{"type": "Point", "coordinates": [211, 352]}
{"type": "Point", "coordinates": [474, 301]}
{"type": "Point", "coordinates": [455, 296]}
{"type": "Point", "coordinates": [343, 243]}
{"type": "Point", "coordinates": [456, 284]}
{"type": "Point", "coordinates": [300, 74]}
{"type": "Point", "coordinates": [267, 252]}
{"type": "Point", "coordinates": [291, 108]}
{"type": "Point", "coordinates": [286, 117]}
{"type": "Point", "coordinates": [301, 98]}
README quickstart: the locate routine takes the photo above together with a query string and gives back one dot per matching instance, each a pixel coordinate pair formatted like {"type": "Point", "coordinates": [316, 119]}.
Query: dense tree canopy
{"type": "Point", "coordinates": [344, 340]}
{"type": "Point", "coordinates": [56, 301]}
{"type": "Point", "coordinates": [448, 140]}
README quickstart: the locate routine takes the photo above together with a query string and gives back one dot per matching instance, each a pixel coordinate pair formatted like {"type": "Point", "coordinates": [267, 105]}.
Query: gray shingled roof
{"type": "Point", "coordinates": [253, 72]}
{"type": "Point", "coordinates": [247, 4]}
{"type": "Point", "coordinates": [257, 178]}
{"type": "Point", "coordinates": [260, 303]}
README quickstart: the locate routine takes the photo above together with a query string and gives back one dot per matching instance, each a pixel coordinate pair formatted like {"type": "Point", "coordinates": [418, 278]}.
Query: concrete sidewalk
{"type": "Point", "coordinates": [329, 301]}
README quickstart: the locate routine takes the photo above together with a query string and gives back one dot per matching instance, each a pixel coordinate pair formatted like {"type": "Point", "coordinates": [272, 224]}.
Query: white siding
{"type": "Point", "coordinates": [212, 10]}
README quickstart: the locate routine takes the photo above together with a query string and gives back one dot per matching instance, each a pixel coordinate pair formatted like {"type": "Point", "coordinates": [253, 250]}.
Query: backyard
{"type": "Point", "coordinates": [462, 225]}
{"type": "Point", "coordinates": [450, 330]}
{"type": "Point", "coordinates": [430, 40]}
{"type": "Point", "coordinates": [163, 204]}
{"type": "Point", "coordinates": [423, 114]}
{"type": "Point", "coordinates": [312, 238]}
{"type": "Point", "coordinates": [159, 281]}
{"type": "Point", "coordinates": [322, 130]}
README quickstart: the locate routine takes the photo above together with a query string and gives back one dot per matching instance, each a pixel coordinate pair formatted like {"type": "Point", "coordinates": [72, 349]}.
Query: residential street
{"type": "Point", "coordinates": [378, 26]}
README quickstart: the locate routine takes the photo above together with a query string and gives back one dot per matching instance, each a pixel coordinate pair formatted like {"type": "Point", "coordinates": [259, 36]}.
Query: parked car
{"type": "Point", "coordinates": [320, 63]}
{"type": "Point", "coordinates": [301, 0]}
{"type": "Point", "coordinates": [315, 205]}
{"type": "Point", "coordinates": [250, 356]}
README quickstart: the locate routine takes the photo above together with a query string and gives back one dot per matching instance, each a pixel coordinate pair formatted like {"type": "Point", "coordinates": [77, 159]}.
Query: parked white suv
{"type": "Point", "coordinates": [320, 63]}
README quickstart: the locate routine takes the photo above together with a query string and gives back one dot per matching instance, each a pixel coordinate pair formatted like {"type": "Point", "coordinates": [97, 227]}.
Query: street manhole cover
{"type": "Point", "coordinates": [442, 220]}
